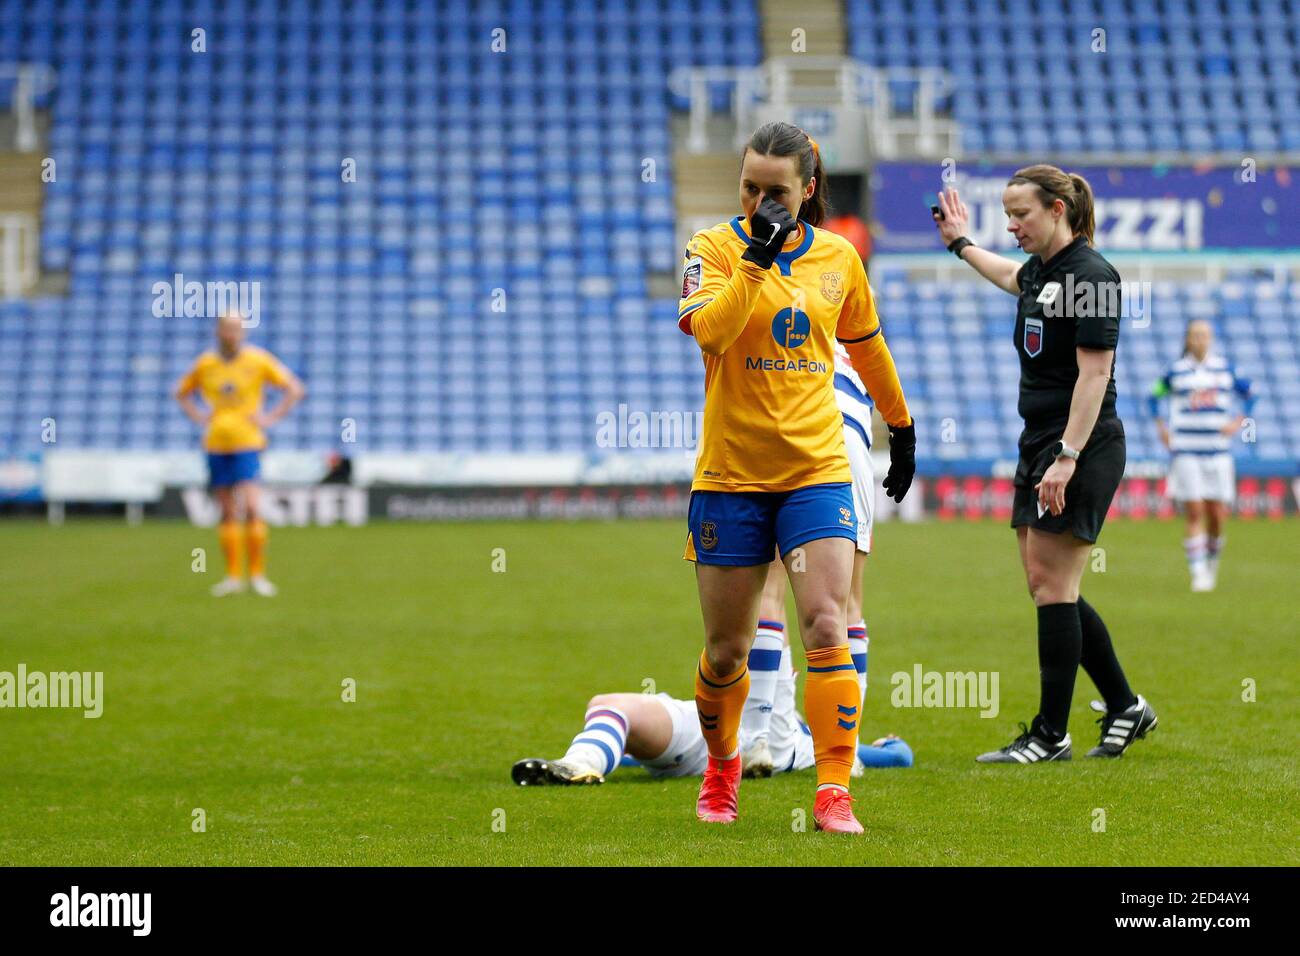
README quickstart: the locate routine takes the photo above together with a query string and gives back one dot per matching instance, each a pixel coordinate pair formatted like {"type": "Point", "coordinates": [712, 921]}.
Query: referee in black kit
{"type": "Point", "coordinates": [1072, 448]}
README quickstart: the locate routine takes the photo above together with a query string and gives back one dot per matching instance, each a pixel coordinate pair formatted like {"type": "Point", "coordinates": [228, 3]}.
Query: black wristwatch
{"type": "Point", "coordinates": [958, 244]}
{"type": "Point", "coordinates": [1062, 450]}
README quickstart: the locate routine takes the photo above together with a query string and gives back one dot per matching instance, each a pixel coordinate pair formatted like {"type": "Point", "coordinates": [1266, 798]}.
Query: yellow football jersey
{"type": "Point", "coordinates": [233, 390]}
{"type": "Point", "coordinates": [771, 422]}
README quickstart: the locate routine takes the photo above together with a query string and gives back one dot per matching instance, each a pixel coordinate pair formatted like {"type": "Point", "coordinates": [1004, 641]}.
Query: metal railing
{"type": "Point", "coordinates": [695, 83]}
{"type": "Point", "coordinates": [20, 243]}
{"type": "Point", "coordinates": [31, 81]}
{"type": "Point", "coordinates": [835, 81]}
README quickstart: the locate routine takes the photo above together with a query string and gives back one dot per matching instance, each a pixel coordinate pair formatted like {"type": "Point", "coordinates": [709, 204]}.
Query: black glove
{"type": "Point", "coordinates": [902, 460]}
{"type": "Point", "coordinates": [769, 226]}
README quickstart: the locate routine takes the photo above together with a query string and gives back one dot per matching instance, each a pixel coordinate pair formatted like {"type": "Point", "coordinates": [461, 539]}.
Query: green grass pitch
{"type": "Point", "coordinates": [235, 706]}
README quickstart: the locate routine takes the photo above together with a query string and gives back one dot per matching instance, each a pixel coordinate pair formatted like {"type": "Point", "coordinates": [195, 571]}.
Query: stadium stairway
{"type": "Point", "coordinates": [706, 182]}
{"type": "Point", "coordinates": [821, 20]}
{"type": "Point", "coordinates": [706, 190]}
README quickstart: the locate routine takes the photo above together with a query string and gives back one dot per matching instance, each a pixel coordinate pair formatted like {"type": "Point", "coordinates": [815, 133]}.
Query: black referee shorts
{"type": "Point", "coordinates": [1090, 491]}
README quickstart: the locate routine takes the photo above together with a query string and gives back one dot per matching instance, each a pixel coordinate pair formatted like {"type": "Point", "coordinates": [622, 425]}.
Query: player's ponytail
{"type": "Point", "coordinates": [817, 209]}
{"type": "Point", "coordinates": [783, 139]}
{"type": "Point", "coordinates": [1083, 218]}
{"type": "Point", "coordinates": [1071, 188]}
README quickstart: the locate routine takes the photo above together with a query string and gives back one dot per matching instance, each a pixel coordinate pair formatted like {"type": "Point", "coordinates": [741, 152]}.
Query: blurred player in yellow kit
{"type": "Point", "coordinates": [231, 379]}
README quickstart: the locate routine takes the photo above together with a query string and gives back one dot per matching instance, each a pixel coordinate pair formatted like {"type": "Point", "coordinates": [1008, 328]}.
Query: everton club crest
{"type": "Point", "coordinates": [708, 535]}
{"type": "Point", "coordinates": [832, 287]}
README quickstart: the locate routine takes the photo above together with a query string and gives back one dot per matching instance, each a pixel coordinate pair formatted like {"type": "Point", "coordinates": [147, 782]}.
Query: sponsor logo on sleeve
{"type": "Point", "coordinates": [691, 275]}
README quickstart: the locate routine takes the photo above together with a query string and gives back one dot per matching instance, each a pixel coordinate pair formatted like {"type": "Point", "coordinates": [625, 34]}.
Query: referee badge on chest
{"type": "Point", "coordinates": [1033, 337]}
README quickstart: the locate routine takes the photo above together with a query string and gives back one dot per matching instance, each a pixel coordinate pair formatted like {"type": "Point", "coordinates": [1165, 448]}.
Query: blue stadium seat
{"type": "Point", "coordinates": [475, 173]}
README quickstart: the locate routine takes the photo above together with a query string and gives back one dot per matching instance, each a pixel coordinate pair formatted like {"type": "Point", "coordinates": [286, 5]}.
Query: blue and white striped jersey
{"type": "Point", "coordinates": [1200, 403]}
{"type": "Point", "coordinates": [851, 395]}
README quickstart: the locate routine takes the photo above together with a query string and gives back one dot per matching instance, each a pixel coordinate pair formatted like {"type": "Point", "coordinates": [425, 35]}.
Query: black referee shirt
{"type": "Point", "coordinates": [1072, 300]}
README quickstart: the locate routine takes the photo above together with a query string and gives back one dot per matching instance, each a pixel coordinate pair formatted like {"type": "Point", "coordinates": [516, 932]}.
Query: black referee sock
{"type": "Point", "coordinates": [1060, 643]}
{"type": "Point", "coordinates": [1099, 660]}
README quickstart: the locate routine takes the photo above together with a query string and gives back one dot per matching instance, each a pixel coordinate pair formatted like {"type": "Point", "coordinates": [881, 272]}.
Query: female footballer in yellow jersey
{"type": "Point", "coordinates": [230, 380]}
{"type": "Point", "coordinates": [765, 296]}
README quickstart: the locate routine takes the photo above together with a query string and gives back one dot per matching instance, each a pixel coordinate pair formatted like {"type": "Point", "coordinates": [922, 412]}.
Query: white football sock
{"type": "Point", "coordinates": [1195, 547]}
{"type": "Point", "coordinates": [785, 719]}
{"type": "Point", "coordinates": [602, 741]}
{"type": "Point", "coordinates": [764, 665]}
{"type": "Point", "coordinates": [858, 642]}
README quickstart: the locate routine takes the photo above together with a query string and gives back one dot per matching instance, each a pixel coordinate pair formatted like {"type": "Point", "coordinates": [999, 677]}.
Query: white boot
{"type": "Point", "coordinates": [756, 760]}
{"type": "Point", "coordinates": [262, 586]}
{"type": "Point", "coordinates": [228, 586]}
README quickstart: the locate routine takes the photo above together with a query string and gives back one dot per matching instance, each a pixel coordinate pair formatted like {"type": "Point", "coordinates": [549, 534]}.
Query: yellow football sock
{"type": "Point", "coordinates": [231, 536]}
{"type": "Point", "coordinates": [720, 700]}
{"type": "Point", "coordinates": [831, 707]}
{"type": "Point", "coordinates": [256, 541]}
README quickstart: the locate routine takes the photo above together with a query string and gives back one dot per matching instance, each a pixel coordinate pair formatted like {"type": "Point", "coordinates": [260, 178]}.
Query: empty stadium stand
{"type": "Point", "coordinates": [482, 284]}
{"type": "Point", "coordinates": [1195, 76]}
{"type": "Point", "coordinates": [953, 346]}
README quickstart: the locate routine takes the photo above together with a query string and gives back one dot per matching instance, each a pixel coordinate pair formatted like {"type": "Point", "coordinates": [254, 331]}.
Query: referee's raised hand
{"type": "Point", "coordinates": [955, 216]}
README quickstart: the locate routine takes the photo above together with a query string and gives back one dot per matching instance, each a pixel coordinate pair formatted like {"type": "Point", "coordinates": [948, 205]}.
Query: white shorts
{"type": "Point", "coordinates": [688, 753]}
{"type": "Point", "coordinates": [1202, 478]}
{"type": "Point", "coordinates": [864, 485]}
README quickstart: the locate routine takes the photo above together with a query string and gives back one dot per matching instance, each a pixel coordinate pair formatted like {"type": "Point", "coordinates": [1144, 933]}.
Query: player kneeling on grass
{"type": "Point", "coordinates": [663, 734]}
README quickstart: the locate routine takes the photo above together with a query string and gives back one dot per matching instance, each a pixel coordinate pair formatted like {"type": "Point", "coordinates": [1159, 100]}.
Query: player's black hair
{"type": "Point", "coordinates": [783, 139]}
